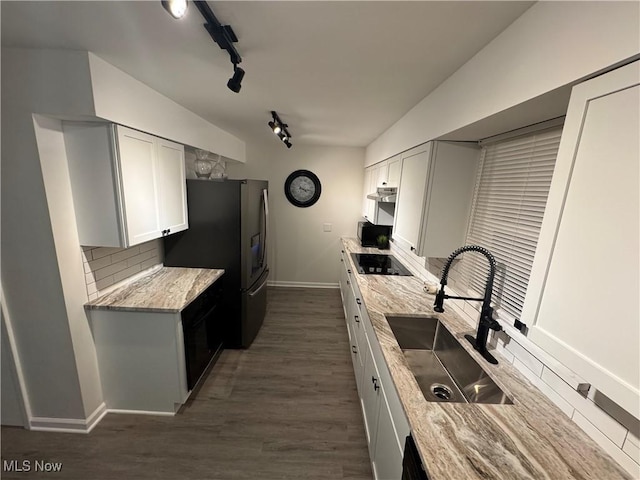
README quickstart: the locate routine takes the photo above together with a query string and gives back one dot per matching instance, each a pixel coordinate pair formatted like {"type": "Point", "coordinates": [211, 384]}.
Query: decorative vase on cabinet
{"type": "Point", "coordinates": [203, 165]}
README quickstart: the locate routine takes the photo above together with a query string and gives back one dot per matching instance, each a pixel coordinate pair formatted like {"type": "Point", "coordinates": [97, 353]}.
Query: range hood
{"type": "Point", "coordinates": [384, 194]}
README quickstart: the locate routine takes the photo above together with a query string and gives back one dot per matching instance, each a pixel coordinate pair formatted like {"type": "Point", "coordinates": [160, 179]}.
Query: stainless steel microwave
{"type": "Point", "coordinates": [368, 233]}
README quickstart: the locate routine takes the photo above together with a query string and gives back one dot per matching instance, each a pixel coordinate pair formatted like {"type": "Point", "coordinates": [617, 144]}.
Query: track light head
{"type": "Point", "coordinates": [176, 8]}
{"type": "Point", "coordinates": [234, 82]}
{"type": "Point", "coordinates": [280, 129]}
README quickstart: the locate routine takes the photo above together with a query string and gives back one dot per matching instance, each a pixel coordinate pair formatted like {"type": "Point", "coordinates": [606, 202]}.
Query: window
{"type": "Point", "coordinates": [510, 197]}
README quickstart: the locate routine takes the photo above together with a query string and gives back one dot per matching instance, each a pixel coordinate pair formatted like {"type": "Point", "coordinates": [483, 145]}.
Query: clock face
{"type": "Point", "coordinates": [302, 188]}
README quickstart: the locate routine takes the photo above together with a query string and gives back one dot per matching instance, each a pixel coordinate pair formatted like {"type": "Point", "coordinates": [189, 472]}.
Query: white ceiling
{"type": "Point", "coordinates": [338, 72]}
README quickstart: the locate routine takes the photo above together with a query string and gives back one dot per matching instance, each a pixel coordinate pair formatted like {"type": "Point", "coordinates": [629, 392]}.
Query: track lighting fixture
{"type": "Point", "coordinates": [176, 8]}
{"type": "Point", "coordinates": [234, 82]}
{"type": "Point", "coordinates": [280, 129]}
{"type": "Point", "coordinates": [223, 35]}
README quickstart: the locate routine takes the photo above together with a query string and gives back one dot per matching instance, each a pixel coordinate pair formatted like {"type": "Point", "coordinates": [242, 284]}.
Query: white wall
{"type": "Point", "coordinates": [57, 185]}
{"type": "Point", "coordinates": [551, 45]}
{"type": "Point", "coordinates": [301, 253]}
{"type": "Point", "coordinates": [31, 280]}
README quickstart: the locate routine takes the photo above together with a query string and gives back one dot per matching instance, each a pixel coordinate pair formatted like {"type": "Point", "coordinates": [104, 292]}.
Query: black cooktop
{"type": "Point", "coordinates": [376, 264]}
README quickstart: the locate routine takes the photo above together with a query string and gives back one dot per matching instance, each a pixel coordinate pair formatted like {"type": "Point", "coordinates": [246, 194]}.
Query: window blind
{"type": "Point", "coordinates": [509, 200]}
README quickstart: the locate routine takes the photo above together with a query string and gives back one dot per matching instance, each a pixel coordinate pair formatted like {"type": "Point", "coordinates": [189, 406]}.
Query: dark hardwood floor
{"type": "Point", "coordinates": [286, 408]}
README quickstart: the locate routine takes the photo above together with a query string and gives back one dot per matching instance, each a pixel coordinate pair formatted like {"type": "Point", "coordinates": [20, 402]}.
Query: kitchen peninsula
{"type": "Point", "coordinates": [155, 337]}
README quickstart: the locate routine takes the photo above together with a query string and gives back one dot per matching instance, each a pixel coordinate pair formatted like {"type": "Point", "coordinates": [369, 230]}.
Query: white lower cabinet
{"type": "Point", "coordinates": [386, 426]}
{"type": "Point", "coordinates": [387, 457]}
{"type": "Point", "coordinates": [141, 359]}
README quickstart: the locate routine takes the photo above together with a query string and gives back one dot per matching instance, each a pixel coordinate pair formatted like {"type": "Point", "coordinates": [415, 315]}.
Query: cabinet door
{"type": "Point", "coordinates": [368, 173]}
{"type": "Point", "coordinates": [345, 288]}
{"type": "Point", "coordinates": [139, 185]}
{"type": "Point", "coordinates": [388, 453]}
{"type": "Point", "coordinates": [393, 171]}
{"type": "Point", "coordinates": [361, 342]}
{"type": "Point", "coordinates": [591, 230]}
{"type": "Point", "coordinates": [370, 397]}
{"type": "Point", "coordinates": [381, 175]}
{"type": "Point", "coordinates": [172, 186]}
{"type": "Point", "coordinates": [411, 196]}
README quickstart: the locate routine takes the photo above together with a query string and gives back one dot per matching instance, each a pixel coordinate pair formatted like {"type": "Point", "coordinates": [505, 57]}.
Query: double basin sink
{"type": "Point", "coordinates": [444, 370]}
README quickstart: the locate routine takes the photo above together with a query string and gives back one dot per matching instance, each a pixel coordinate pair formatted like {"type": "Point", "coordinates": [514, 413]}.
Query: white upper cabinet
{"type": "Point", "coordinates": [411, 195]}
{"type": "Point", "coordinates": [591, 233]}
{"type": "Point", "coordinates": [173, 187]}
{"type": "Point", "coordinates": [394, 164]}
{"type": "Point", "coordinates": [434, 197]}
{"type": "Point", "coordinates": [383, 174]}
{"type": "Point", "coordinates": [128, 187]}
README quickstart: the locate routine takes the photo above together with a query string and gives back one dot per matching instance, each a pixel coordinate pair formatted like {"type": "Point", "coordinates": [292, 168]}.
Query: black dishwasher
{"type": "Point", "coordinates": [203, 332]}
{"type": "Point", "coordinates": [412, 468]}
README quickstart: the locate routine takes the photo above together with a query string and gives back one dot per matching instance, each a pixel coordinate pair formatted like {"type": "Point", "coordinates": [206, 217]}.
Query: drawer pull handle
{"type": "Point", "coordinates": [357, 319]}
{"type": "Point", "coordinates": [353, 349]}
{"type": "Point", "coordinates": [358, 301]}
{"type": "Point", "coordinates": [374, 380]}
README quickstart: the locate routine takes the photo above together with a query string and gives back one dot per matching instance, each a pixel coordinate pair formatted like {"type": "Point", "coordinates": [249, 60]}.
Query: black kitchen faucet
{"type": "Point", "coordinates": [487, 321]}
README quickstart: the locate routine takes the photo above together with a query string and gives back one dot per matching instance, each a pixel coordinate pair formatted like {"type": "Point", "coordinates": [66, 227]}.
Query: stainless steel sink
{"type": "Point", "coordinates": [443, 368]}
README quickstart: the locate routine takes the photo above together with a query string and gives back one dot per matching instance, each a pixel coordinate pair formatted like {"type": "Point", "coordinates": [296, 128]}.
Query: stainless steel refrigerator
{"type": "Point", "coordinates": [228, 229]}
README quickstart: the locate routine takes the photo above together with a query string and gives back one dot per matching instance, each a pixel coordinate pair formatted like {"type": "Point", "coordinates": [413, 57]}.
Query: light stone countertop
{"type": "Point", "coordinates": [531, 439]}
{"type": "Point", "coordinates": [167, 290]}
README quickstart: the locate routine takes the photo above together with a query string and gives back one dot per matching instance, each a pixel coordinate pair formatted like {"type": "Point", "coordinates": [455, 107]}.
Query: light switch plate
{"type": "Point", "coordinates": [326, 227]}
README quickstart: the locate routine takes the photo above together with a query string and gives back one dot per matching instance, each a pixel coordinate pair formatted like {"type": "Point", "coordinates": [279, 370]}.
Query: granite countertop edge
{"type": "Point", "coordinates": [165, 290]}
{"type": "Point", "coordinates": [531, 439]}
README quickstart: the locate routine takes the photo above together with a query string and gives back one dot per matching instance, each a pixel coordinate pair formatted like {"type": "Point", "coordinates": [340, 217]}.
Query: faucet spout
{"type": "Point", "coordinates": [486, 322]}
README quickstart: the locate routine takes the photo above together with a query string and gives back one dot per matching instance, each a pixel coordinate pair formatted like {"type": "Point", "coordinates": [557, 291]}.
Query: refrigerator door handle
{"type": "Point", "coordinates": [265, 210]}
{"type": "Point", "coordinates": [257, 290]}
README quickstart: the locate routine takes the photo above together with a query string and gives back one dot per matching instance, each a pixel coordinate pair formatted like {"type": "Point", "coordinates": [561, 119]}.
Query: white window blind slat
{"type": "Point", "coordinates": [508, 206]}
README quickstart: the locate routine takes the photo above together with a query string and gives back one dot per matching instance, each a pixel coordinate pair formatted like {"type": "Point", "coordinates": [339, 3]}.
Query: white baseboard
{"type": "Point", "coordinates": [68, 425]}
{"type": "Point", "coordinates": [274, 283]}
{"type": "Point", "coordinates": [141, 412]}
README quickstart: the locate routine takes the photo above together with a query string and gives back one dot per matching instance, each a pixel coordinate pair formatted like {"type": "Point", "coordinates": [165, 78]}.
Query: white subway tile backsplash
{"type": "Point", "coordinates": [105, 282]}
{"type": "Point", "coordinates": [106, 266]}
{"type": "Point", "coordinates": [91, 288]}
{"type": "Point", "coordinates": [110, 270]}
{"type": "Point", "coordinates": [498, 342]}
{"type": "Point", "coordinates": [525, 357]}
{"type": "Point", "coordinates": [560, 402]}
{"type": "Point", "coordinates": [94, 265]}
{"type": "Point", "coordinates": [624, 460]}
{"type": "Point", "coordinates": [150, 263]}
{"type": "Point", "coordinates": [632, 439]}
{"type": "Point", "coordinates": [631, 447]}
{"type": "Point", "coordinates": [149, 246]}
{"type": "Point", "coordinates": [119, 276]}
{"type": "Point", "coordinates": [603, 422]}
{"type": "Point", "coordinates": [100, 252]}
{"type": "Point", "coordinates": [124, 254]}
{"type": "Point", "coordinates": [141, 257]}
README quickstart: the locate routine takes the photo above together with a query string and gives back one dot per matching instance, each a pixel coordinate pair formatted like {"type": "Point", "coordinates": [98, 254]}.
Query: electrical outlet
{"type": "Point", "coordinates": [326, 227]}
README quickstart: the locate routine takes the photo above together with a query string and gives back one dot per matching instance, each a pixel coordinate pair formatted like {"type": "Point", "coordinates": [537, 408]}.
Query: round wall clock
{"type": "Point", "coordinates": [302, 188]}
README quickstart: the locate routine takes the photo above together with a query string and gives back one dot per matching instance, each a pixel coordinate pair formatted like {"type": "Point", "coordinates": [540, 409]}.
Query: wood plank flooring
{"type": "Point", "coordinates": [286, 408]}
